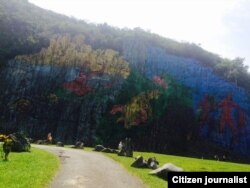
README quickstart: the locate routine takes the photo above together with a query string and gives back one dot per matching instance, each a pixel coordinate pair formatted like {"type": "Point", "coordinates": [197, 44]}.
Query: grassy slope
{"type": "Point", "coordinates": [33, 170]}
{"type": "Point", "coordinates": [189, 164]}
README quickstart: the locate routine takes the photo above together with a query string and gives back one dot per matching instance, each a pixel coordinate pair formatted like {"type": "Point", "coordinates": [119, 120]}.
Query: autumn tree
{"type": "Point", "coordinates": [72, 51]}
{"type": "Point", "coordinates": [138, 110]}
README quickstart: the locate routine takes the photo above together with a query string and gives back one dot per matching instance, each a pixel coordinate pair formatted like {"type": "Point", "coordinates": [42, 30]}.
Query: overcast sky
{"type": "Point", "coordinates": [219, 26]}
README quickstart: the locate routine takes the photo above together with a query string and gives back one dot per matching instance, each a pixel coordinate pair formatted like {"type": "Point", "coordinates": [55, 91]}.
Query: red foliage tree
{"type": "Point", "coordinates": [79, 85]}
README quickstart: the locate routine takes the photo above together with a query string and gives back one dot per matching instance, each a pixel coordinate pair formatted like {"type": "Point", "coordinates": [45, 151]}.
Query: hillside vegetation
{"type": "Point", "coordinates": [26, 28]}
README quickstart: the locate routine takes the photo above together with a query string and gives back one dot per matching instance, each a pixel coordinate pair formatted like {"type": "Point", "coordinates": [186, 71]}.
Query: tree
{"type": "Point", "coordinates": [232, 70]}
{"type": "Point", "coordinates": [138, 110]}
{"type": "Point", "coordinates": [66, 51]}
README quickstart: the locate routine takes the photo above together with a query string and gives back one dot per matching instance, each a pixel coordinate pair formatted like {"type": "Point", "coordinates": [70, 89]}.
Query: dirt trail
{"type": "Point", "coordinates": [83, 169]}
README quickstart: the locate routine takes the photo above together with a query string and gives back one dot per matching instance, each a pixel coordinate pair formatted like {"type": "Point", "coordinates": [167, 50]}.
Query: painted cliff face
{"type": "Point", "coordinates": [79, 85]}
{"type": "Point", "coordinates": [218, 116]}
{"type": "Point", "coordinates": [149, 91]}
{"type": "Point", "coordinates": [222, 107]}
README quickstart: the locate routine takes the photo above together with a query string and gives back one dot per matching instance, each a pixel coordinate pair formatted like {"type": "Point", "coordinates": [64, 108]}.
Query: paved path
{"type": "Point", "coordinates": [83, 169]}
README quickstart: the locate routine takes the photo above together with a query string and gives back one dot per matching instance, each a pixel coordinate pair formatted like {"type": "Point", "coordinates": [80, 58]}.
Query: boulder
{"type": "Point", "coordinates": [20, 143]}
{"type": "Point", "coordinates": [125, 148]}
{"type": "Point", "coordinates": [59, 144]}
{"type": "Point", "coordinates": [99, 148]}
{"type": "Point", "coordinates": [115, 151]}
{"type": "Point", "coordinates": [139, 162]}
{"type": "Point", "coordinates": [107, 150]}
{"type": "Point", "coordinates": [152, 163]}
{"type": "Point", "coordinates": [162, 172]}
{"type": "Point", "coordinates": [79, 145]}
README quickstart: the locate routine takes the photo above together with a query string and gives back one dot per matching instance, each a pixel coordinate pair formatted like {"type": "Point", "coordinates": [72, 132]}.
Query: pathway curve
{"type": "Point", "coordinates": [82, 169]}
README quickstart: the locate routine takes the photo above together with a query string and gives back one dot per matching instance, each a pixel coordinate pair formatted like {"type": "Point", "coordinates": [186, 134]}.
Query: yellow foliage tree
{"type": "Point", "coordinates": [138, 109]}
{"type": "Point", "coordinates": [67, 51]}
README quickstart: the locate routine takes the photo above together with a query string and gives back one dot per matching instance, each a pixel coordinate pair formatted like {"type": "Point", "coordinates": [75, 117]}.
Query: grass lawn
{"type": "Point", "coordinates": [33, 169]}
{"type": "Point", "coordinates": [188, 164]}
